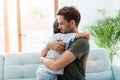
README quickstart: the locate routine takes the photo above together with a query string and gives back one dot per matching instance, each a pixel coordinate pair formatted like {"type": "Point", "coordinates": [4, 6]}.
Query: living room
{"type": "Point", "coordinates": [26, 24]}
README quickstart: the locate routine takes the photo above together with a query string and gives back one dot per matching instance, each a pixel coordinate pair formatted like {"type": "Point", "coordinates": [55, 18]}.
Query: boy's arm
{"type": "Point", "coordinates": [82, 34]}
{"type": "Point", "coordinates": [44, 51]}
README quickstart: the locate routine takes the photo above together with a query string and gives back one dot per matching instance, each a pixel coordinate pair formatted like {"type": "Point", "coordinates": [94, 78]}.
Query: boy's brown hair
{"type": "Point", "coordinates": [55, 27]}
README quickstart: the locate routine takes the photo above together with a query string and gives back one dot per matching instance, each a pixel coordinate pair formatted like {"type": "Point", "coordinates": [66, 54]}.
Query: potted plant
{"type": "Point", "coordinates": [106, 33]}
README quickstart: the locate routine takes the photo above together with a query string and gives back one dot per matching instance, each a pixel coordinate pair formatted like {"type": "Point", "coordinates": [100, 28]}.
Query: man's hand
{"type": "Point", "coordinates": [86, 35]}
{"type": "Point", "coordinates": [82, 34]}
{"type": "Point", "coordinates": [57, 45]}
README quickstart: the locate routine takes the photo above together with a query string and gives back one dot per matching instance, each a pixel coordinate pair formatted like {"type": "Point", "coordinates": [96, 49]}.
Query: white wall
{"type": "Point", "coordinates": [116, 4]}
{"type": "Point", "coordinates": [88, 8]}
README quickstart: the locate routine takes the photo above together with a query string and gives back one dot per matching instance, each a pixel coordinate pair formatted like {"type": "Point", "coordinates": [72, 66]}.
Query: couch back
{"type": "Point", "coordinates": [1, 66]}
{"type": "Point", "coordinates": [98, 65]}
{"type": "Point", "coordinates": [21, 66]}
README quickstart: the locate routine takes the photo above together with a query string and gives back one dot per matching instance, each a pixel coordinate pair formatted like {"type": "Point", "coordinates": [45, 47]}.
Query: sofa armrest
{"type": "Point", "coordinates": [116, 67]}
{"type": "Point", "coordinates": [1, 66]}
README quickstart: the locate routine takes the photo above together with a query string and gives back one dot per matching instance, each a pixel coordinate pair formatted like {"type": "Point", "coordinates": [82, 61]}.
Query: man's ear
{"type": "Point", "coordinates": [72, 22]}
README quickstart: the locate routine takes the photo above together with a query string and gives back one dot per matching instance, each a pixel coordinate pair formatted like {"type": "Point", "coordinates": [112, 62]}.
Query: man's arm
{"type": "Point", "coordinates": [58, 63]}
{"type": "Point", "coordinates": [76, 50]}
{"type": "Point", "coordinates": [78, 35]}
{"type": "Point", "coordinates": [59, 46]}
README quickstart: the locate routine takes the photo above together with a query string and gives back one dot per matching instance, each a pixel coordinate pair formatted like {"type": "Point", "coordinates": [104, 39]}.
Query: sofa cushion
{"type": "Point", "coordinates": [105, 75]}
{"type": "Point", "coordinates": [98, 65]}
{"type": "Point", "coordinates": [21, 66]}
{"type": "Point", "coordinates": [1, 66]}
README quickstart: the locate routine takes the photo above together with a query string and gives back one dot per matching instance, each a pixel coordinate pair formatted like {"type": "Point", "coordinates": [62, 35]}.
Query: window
{"type": "Point", "coordinates": [24, 25]}
{"type": "Point", "coordinates": [12, 26]}
{"type": "Point", "coordinates": [36, 23]}
{"type": "Point", "coordinates": [1, 27]}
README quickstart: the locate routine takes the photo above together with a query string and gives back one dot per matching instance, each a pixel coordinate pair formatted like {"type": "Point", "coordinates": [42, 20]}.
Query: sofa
{"type": "Point", "coordinates": [23, 65]}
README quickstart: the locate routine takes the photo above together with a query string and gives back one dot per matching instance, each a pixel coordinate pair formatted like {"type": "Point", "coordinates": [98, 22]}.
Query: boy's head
{"type": "Point", "coordinates": [55, 27]}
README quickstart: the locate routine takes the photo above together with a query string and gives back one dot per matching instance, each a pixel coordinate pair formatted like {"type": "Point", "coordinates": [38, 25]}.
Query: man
{"type": "Point", "coordinates": [73, 60]}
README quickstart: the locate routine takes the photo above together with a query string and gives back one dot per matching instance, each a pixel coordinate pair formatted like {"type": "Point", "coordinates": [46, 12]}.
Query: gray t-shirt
{"type": "Point", "coordinates": [76, 69]}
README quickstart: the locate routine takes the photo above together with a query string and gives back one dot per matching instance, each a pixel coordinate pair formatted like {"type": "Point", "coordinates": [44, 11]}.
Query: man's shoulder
{"type": "Point", "coordinates": [79, 47]}
{"type": "Point", "coordinates": [81, 43]}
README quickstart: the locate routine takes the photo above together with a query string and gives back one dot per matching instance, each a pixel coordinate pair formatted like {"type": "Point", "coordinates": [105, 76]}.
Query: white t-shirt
{"type": "Point", "coordinates": [67, 39]}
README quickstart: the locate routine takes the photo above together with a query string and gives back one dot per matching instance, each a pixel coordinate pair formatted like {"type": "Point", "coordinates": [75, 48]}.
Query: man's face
{"type": "Point", "coordinates": [64, 26]}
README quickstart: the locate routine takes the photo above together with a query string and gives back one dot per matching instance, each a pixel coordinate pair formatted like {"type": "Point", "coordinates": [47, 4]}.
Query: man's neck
{"type": "Point", "coordinates": [75, 30]}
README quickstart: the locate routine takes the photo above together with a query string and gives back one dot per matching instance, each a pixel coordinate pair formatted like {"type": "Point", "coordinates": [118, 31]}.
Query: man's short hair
{"type": "Point", "coordinates": [70, 13]}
